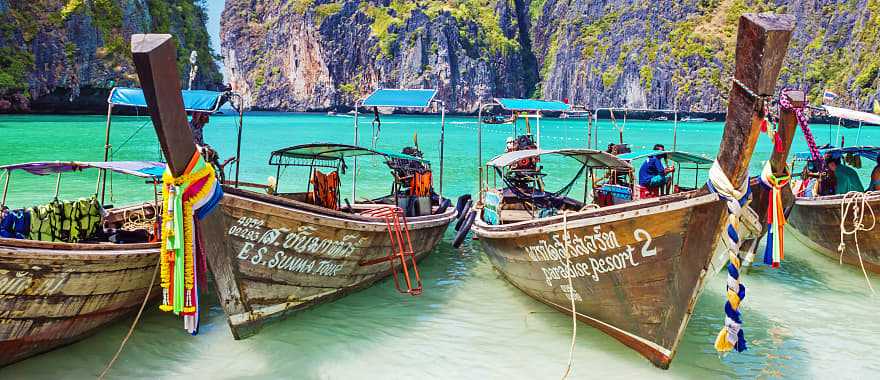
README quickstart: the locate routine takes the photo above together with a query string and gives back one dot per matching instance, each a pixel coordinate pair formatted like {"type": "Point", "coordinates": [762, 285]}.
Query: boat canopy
{"type": "Point", "coordinates": [402, 98]}
{"type": "Point", "coordinates": [332, 152]}
{"type": "Point", "coordinates": [532, 105]}
{"type": "Point", "coordinates": [675, 156]}
{"type": "Point", "coordinates": [869, 152]}
{"type": "Point", "coordinates": [853, 115]}
{"type": "Point", "coordinates": [589, 157]}
{"type": "Point", "coordinates": [143, 169]}
{"type": "Point", "coordinates": [193, 100]}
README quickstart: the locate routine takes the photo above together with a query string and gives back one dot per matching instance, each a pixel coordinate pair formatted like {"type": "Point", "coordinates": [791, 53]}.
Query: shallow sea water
{"type": "Point", "coordinates": [810, 319]}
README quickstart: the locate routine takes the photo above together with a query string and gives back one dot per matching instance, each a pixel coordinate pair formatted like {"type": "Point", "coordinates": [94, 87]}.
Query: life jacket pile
{"type": "Point", "coordinates": [420, 184]}
{"type": "Point", "coordinates": [66, 221]}
{"type": "Point", "coordinates": [326, 189]}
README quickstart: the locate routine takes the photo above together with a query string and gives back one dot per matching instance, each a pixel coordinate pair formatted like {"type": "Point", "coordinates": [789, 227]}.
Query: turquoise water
{"type": "Point", "coordinates": [810, 319]}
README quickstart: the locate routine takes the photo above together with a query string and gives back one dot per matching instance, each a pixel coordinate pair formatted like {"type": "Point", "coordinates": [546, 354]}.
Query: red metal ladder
{"type": "Point", "coordinates": [401, 249]}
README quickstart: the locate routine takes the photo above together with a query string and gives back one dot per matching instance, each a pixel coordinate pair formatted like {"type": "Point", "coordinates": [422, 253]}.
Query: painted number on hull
{"type": "Point", "coordinates": [283, 249]}
{"type": "Point", "coordinates": [602, 254]}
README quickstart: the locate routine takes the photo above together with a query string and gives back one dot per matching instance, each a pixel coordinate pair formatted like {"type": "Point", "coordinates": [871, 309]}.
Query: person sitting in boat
{"type": "Point", "coordinates": [875, 179]}
{"type": "Point", "coordinates": [654, 175]}
{"type": "Point", "coordinates": [845, 177]}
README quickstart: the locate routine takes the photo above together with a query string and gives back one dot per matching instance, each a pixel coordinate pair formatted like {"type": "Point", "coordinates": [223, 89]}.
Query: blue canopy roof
{"type": "Point", "coordinates": [869, 152]}
{"type": "Point", "coordinates": [532, 105]}
{"type": "Point", "coordinates": [386, 97]}
{"type": "Point", "coordinates": [143, 169]}
{"type": "Point", "coordinates": [193, 100]}
{"type": "Point", "coordinates": [681, 157]}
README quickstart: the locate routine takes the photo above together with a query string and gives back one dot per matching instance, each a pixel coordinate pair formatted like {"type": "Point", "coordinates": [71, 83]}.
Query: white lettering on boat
{"type": "Point", "coordinates": [283, 249]}
{"type": "Point", "coordinates": [613, 257]}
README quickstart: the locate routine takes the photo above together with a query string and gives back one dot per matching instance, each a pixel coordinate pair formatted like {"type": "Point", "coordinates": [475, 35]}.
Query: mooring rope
{"type": "Point", "coordinates": [133, 324]}
{"type": "Point", "coordinates": [568, 271]}
{"type": "Point", "coordinates": [856, 203]}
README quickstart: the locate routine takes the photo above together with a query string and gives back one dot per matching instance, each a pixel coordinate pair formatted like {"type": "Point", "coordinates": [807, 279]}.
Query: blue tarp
{"type": "Point", "coordinates": [869, 152]}
{"type": "Point", "coordinates": [193, 100]}
{"type": "Point", "coordinates": [385, 97]}
{"type": "Point", "coordinates": [532, 105]}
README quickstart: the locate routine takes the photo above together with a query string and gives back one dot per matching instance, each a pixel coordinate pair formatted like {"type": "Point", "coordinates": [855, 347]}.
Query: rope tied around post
{"type": "Point", "coordinates": [731, 335]}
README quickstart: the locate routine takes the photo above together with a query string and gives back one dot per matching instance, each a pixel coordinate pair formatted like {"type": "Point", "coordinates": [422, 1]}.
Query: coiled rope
{"type": "Point", "coordinates": [855, 204]}
{"type": "Point", "coordinates": [574, 328]}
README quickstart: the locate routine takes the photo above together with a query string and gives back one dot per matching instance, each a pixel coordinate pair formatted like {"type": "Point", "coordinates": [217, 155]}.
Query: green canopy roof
{"type": "Point", "coordinates": [680, 157]}
{"type": "Point", "coordinates": [386, 97]}
{"type": "Point", "coordinates": [532, 105]}
{"type": "Point", "coordinates": [333, 152]}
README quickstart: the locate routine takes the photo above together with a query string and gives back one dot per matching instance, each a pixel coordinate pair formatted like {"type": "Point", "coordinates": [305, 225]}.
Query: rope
{"type": "Point", "coordinates": [731, 335]}
{"type": "Point", "coordinates": [855, 203]}
{"type": "Point", "coordinates": [133, 324]}
{"type": "Point", "coordinates": [804, 122]}
{"type": "Point", "coordinates": [565, 239]}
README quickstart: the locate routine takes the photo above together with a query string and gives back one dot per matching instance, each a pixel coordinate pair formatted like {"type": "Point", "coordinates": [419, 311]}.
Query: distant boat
{"type": "Point", "coordinates": [694, 120]}
{"type": "Point", "coordinates": [660, 118]}
{"type": "Point", "coordinates": [331, 113]}
{"type": "Point", "coordinates": [499, 119]}
{"type": "Point", "coordinates": [575, 115]}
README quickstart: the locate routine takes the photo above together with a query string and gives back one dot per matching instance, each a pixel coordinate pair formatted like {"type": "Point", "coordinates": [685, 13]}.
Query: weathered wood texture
{"type": "Point", "coordinates": [816, 223]}
{"type": "Point", "coordinates": [155, 57]}
{"type": "Point", "coordinates": [53, 294]}
{"type": "Point", "coordinates": [638, 268]}
{"type": "Point", "coordinates": [761, 45]}
{"type": "Point", "coordinates": [778, 162]}
{"type": "Point", "coordinates": [276, 258]}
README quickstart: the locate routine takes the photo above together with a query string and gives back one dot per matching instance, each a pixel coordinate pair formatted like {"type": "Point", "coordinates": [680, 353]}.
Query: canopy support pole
{"type": "Point", "coordinates": [238, 143]}
{"type": "Point", "coordinates": [102, 176]}
{"type": "Point", "coordinates": [442, 143]}
{"type": "Point", "coordinates": [589, 129]}
{"type": "Point", "coordinates": [355, 173]}
{"type": "Point", "coordinates": [480, 150]}
{"type": "Point", "coordinates": [5, 189]}
{"type": "Point", "coordinates": [538, 128]}
{"type": "Point", "coordinates": [57, 184]}
{"type": "Point", "coordinates": [675, 125]}
{"type": "Point", "coordinates": [859, 135]}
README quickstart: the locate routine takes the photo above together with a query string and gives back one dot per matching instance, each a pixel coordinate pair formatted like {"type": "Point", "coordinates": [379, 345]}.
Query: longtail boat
{"type": "Point", "coordinates": [274, 253]}
{"type": "Point", "coordinates": [635, 270]}
{"type": "Point", "coordinates": [60, 289]}
{"type": "Point", "coordinates": [840, 226]}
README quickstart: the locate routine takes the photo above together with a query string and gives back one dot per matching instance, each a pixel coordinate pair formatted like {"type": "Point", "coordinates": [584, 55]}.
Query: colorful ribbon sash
{"type": "Point", "coordinates": [185, 199]}
{"type": "Point", "coordinates": [774, 252]}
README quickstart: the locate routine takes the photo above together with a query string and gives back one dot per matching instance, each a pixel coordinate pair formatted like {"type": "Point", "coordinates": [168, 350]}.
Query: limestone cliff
{"type": "Point", "coordinates": [321, 54]}
{"type": "Point", "coordinates": [65, 55]}
{"type": "Point", "coordinates": [305, 55]}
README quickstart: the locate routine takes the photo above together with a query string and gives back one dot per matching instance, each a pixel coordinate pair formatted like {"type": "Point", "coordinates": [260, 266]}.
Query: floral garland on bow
{"type": "Point", "coordinates": [185, 199]}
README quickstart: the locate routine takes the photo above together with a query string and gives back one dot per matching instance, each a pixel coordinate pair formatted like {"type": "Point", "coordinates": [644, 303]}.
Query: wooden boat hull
{"type": "Point", "coordinates": [816, 223]}
{"type": "Point", "coordinates": [53, 294]}
{"type": "Point", "coordinates": [279, 255]}
{"type": "Point", "coordinates": [638, 267]}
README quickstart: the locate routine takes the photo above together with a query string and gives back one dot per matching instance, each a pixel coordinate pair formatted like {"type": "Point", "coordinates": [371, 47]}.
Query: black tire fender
{"type": "Point", "coordinates": [465, 228]}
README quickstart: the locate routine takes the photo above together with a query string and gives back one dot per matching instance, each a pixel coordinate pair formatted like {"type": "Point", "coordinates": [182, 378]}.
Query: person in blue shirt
{"type": "Point", "coordinates": [655, 176]}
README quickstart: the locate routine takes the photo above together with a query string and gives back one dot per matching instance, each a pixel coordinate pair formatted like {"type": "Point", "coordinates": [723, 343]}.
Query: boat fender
{"type": "Point", "coordinates": [459, 205]}
{"type": "Point", "coordinates": [463, 214]}
{"type": "Point", "coordinates": [465, 228]}
{"type": "Point", "coordinates": [444, 204]}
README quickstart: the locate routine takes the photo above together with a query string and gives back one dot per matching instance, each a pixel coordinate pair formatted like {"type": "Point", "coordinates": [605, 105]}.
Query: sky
{"type": "Point", "coordinates": [214, 8]}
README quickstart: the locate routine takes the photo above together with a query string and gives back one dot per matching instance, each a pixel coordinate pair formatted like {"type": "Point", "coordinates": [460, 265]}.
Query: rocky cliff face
{"type": "Point", "coordinates": [320, 54]}
{"type": "Point", "coordinates": [305, 55]}
{"type": "Point", "coordinates": [65, 55]}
